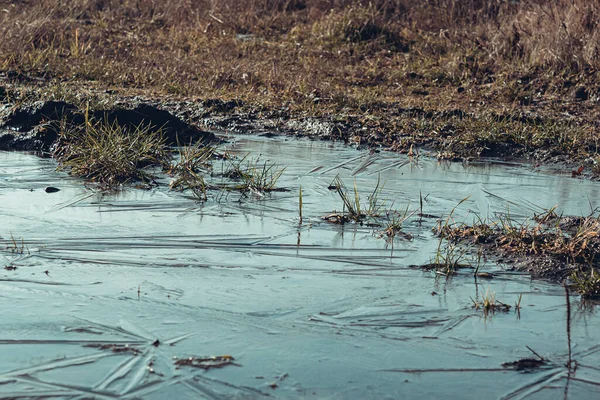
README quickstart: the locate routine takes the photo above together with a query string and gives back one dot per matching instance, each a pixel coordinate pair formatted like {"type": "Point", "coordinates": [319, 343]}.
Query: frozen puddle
{"type": "Point", "coordinates": [110, 291]}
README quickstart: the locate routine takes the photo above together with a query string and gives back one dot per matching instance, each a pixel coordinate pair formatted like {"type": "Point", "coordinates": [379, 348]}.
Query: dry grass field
{"type": "Point", "coordinates": [470, 78]}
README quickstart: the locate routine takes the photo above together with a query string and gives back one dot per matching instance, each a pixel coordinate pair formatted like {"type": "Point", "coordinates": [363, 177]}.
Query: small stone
{"type": "Point", "coordinates": [52, 189]}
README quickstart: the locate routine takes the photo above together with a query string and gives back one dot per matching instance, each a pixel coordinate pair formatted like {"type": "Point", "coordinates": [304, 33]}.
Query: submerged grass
{"type": "Point", "coordinates": [355, 210]}
{"type": "Point", "coordinates": [392, 225]}
{"type": "Point", "coordinates": [490, 305]}
{"type": "Point", "coordinates": [112, 154]}
{"type": "Point", "coordinates": [260, 178]}
{"type": "Point", "coordinates": [194, 172]}
{"type": "Point", "coordinates": [255, 177]}
{"type": "Point", "coordinates": [587, 282]}
{"type": "Point", "coordinates": [15, 247]}
{"type": "Point", "coordinates": [300, 205]}
{"type": "Point", "coordinates": [449, 256]}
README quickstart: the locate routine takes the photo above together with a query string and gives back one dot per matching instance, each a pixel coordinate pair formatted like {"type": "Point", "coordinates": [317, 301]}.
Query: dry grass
{"type": "Point", "coordinates": [574, 240]}
{"type": "Point", "coordinates": [109, 153]}
{"type": "Point", "coordinates": [341, 52]}
{"type": "Point", "coordinates": [558, 247]}
{"type": "Point", "coordinates": [361, 61]}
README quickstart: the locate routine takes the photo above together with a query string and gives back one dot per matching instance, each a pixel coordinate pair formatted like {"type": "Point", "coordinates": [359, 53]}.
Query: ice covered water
{"type": "Point", "coordinates": [110, 290]}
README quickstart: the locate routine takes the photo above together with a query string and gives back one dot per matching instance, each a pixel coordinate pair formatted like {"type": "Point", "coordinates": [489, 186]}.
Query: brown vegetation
{"type": "Point", "coordinates": [550, 246]}
{"type": "Point", "coordinates": [527, 64]}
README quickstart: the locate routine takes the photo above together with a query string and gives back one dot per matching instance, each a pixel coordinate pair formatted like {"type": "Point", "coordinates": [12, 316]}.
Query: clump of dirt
{"type": "Point", "coordinates": [36, 126]}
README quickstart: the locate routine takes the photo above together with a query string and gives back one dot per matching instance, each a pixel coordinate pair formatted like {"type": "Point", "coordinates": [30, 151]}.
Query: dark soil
{"type": "Point", "coordinates": [35, 126]}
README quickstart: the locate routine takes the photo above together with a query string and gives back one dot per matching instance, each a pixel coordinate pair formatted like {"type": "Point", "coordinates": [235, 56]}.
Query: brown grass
{"type": "Point", "coordinates": [342, 52]}
{"type": "Point", "coordinates": [551, 246]}
{"type": "Point", "coordinates": [570, 239]}
{"type": "Point", "coordinates": [109, 153]}
{"type": "Point", "coordinates": [340, 57]}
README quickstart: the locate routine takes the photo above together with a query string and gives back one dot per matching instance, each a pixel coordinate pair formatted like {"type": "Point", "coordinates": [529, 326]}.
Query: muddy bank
{"type": "Point", "coordinates": [36, 126]}
{"type": "Point", "coordinates": [448, 134]}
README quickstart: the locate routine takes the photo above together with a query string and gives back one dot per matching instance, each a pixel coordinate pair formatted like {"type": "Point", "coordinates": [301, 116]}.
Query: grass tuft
{"type": "Point", "coordinates": [255, 176]}
{"type": "Point", "coordinates": [353, 206]}
{"type": "Point", "coordinates": [587, 283]}
{"type": "Point", "coordinates": [551, 245]}
{"type": "Point", "coordinates": [392, 227]}
{"type": "Point", "coordinates": [449, 255]}
{"type": "Point", "coordinates": [109, 153]}
{"type": "Point", "coordinates": [194, 161]}
{"type": "Point", "coordinates": [17, 248]}
{"type": "Point", "coordinates": [489, 304]}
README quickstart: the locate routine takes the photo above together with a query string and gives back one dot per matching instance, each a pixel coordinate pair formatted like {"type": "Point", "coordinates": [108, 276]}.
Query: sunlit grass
{"type": "Point", "coordinates": [109, 153]}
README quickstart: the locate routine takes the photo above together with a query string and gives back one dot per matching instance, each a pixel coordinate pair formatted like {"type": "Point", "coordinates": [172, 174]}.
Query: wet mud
{"type": "Point", "coordinates": [36, 126]}
{"type": "Point", "coordinates": [150, 294]}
